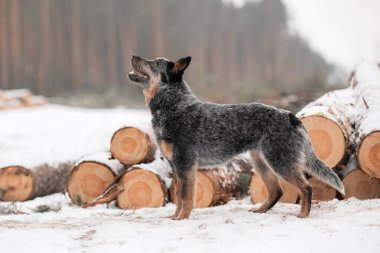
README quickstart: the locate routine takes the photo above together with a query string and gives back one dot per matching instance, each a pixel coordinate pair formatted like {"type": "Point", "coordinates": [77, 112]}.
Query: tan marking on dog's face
{"type": "Point", "coordinates": [167, 149]}
{"type": "Point", "coordinates": [151, 91]}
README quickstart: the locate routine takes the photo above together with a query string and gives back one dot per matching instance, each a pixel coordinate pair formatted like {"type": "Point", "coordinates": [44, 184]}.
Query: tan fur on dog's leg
{"type": "Point", "coordinates": [188, 188]}
{"type": "Point", "coordinates": [299, 180]}
{"type": "Point", "coordinates": [178, 186]}
{"type": "Point", "coordinates": [270, 180]}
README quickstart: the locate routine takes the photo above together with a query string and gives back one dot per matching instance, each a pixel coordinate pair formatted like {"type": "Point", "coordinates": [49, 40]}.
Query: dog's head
{"type": "Point", "coordinates": [152, 73]}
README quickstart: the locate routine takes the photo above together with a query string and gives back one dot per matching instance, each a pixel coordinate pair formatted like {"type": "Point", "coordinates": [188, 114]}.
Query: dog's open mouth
{"type": "Point", "coordinates": [139, 75]}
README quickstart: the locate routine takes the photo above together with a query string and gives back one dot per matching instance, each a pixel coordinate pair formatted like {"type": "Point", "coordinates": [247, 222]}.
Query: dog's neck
{"type": "Point", "coordinates": [171, 97]}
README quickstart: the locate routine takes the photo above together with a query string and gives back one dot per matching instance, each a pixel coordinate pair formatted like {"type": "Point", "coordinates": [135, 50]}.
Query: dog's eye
{"type": "Point", "coordinates": [156, 63]}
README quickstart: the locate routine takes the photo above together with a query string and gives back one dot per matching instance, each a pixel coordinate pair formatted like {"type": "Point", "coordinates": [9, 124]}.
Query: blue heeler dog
{"type": "Point", "coordinates": [193, 133]}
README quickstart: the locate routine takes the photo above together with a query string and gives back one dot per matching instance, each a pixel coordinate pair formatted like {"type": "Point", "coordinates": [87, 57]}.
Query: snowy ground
{"type": "Point", "coordinates": [335, 226]}
{"type": "Point", "coordinates": [56, 133]}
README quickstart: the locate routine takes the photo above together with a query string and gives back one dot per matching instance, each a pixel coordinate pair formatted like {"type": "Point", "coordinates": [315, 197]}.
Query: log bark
{"type": "Point", "coordinates": [327, 121]}
{"type": "Point", "coordinates": [218, 185]}
{"type": "Point", "coordinates": [18, 183]}
{"type": "Point", "coordinates": [91, 176]}
{"type": "Point", "coordinates": [36, 101]}
{"type": "Point", "coordinates": [259, 192]}
{"type": "Point", "coordinates": [145, 185]}
{"type": "Point", "coordinates": [17, 96]}
{"type": "Point", "coordinates": [365, 82]}
{"type": "Point", "coordinates": [359, 185]}
{"type": "Point", "coordinates": [132, 145]}
{"type": "Point", "coordinates": [6, 104]}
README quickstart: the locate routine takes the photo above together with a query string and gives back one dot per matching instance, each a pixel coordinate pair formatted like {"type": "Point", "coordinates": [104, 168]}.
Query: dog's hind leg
{"type": "Point", "coordinates": [298, 179]}
{"type": "Point", "coordinates": [270, 180]}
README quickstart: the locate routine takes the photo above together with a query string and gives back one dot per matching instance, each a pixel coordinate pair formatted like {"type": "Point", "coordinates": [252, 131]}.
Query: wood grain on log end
{"type": "Point", "coordinates": [369, 154]}
{"type": "Point", "coordinates": [141, 188]}
{"type": "Point", "coordinates": [88, 180]}
{"type": "Point", "coordinates": [328, 140]}
{"type": "Point", "coordinates": [130, 145]}
{"type": "Point", "coordinates": [259, 192]}
{"type": "Point", "coordinates": [204, 191]}
{"type": "Point", "coordinates": [16, 183]}
{"type": "Point", "coordinates": [322, 191]}
{"type": "Point", "coordinates": [359, 185]}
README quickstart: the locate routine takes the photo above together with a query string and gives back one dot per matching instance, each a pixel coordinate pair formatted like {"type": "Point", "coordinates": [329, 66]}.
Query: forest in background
{"type": "Point", "coordinates": [82, 48]}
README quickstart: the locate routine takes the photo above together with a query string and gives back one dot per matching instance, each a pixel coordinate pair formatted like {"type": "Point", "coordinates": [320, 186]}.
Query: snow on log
{"type": "Point", "coordinates": [145, 184]}
{"type": "Point", "coordinates": [359, 185]}
{"type": "Point", "coordinates": [91, 176]}
{"type": "Point", "coordinates": [322, 191]}
{"type": "Point", "coordinates": [133, 144]}
{"type": "Point", "coordinates": [366, 84]}
{"type": "Point", "coordinates": [327, 121]}
{"type": "Point", "coordinates": [218, 185]}
{"type": "Point", "coordinates": [18, 183]}
{"type": "Point", "coordinates": [259, 192]}
{"type": "Point", "coordinates": [21, 95]}
{"type": "Point", "coordinates": [36, 101]}
{"type": "Point", "coordinates": [6, 104]}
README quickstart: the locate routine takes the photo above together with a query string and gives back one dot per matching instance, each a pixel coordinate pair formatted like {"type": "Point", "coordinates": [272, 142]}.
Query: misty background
{"type": "Point", "coordinates": [78, 51]}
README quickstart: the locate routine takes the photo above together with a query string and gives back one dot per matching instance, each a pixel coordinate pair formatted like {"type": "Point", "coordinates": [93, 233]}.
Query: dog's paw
{"type": "Point", "coordinates": [172, 216]}
{"type": "Point", "coordinates": [180, 216]}
{"type": "Point", "coordinates": [256, 210]}
{"type": "Point", "coordinates": [302, 215]}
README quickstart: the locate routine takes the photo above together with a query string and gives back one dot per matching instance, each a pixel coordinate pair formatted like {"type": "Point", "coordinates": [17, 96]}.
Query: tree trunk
{"type": "Point", "coordinates": [91, 176]}
{"type": "Point", "coordinates": [259, 192]}
{"type": "Point", "coordinates": [218, 185]}
{"type": "Point", "coordinates": [132, 145]}
{"type": "Point", "coordinates": [45, 47]}
{"type": "Point", "coordinates": [327, 122]}
{"type": "Point", "coordinates": [4, 49]}
{"type": "Point", "coordinates": [366, 85]}
{"type": "Point", "coordinates": [18, 183]}
{"type": "Point", "coordinates": [145, 185]}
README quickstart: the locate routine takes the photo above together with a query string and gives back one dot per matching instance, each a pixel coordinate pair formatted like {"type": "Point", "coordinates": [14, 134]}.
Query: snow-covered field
{"type": "Point", "coordinates": [56, 133]}
{"type": "Point", "coordinates": [335, 226]}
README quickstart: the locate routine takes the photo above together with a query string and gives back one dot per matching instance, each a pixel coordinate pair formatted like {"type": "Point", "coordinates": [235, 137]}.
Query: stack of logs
{"type": "Point", "coordinates": [137, 175]}
{"type": "Point", "coordinates": [344, 127]}
{"type": "Point", "coordinates": [11, 99]}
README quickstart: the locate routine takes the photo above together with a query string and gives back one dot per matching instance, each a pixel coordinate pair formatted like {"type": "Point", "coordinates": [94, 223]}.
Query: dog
{"type": "Point", "coordinates": [192, 133]}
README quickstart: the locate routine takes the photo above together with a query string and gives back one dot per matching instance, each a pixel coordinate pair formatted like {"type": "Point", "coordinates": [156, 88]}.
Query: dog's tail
{"type": "Point", "coordinates": [316, 168]}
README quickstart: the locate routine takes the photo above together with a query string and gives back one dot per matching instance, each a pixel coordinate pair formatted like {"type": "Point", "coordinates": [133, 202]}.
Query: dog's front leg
{"type": "Point", "coordinates": [177, 187]}
{"type": "Point", "coordinates": [185, 192]}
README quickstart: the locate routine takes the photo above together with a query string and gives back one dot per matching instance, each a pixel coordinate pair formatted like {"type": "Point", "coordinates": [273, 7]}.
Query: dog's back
{"type": "Point", "coordinates": [192, 133]}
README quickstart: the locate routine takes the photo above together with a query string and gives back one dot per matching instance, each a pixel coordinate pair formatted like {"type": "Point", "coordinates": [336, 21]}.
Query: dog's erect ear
{"type": "Point", "coordinates": [182, 64]}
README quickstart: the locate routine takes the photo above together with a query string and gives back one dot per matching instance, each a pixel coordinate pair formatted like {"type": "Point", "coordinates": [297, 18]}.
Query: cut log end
{"type": "Point", "coordinates": [204, 191]}
{"type": "Point", "coordinates": [16, 183]}
{"type": "Point", "coordinates": [141, 188]}
{"type": "Point", "coordinates": [359, 185]}
{"type": "Point", "coordinates": [130, 146]}
{"type": "Point", "coordinates": [369, 154]}
{"type": "Point", "coordinates": [259, 192]}
{"type": "Point", "coordinates": [328, 140]}
{"type": "Point", "coordinates": [87, 181]}
{"type": "Point", "coordinates": [322, 191]}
